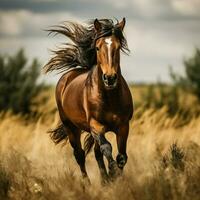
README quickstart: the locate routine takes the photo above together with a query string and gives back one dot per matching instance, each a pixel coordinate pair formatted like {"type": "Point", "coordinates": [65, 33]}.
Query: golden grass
{"type": "Point", "coordinates": [32, 167]}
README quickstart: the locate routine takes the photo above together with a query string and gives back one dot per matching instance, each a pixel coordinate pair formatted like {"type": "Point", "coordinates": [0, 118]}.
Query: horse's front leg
{"type": "Point", "coordinates": [122, 136]}
{"type": "Point", "coordinates": [100, 162]}
{"type": "Point", "coordinates": [98, 131]}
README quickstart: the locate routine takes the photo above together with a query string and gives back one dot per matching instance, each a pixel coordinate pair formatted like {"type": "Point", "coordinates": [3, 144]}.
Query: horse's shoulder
{"type": "Point", "coordinates": [67, 77]}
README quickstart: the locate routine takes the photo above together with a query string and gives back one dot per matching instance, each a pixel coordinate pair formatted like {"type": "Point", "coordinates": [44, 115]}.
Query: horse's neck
{"type": "Point", "coordinates": [97, 78]}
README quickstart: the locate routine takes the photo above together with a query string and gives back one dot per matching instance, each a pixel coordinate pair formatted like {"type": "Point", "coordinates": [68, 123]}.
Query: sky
{"type": "Point", "coordinates": [160, 33]}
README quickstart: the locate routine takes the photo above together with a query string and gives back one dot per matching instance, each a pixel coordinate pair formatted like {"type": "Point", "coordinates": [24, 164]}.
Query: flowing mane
{"type": "Point", "coordinates": [81, 52]}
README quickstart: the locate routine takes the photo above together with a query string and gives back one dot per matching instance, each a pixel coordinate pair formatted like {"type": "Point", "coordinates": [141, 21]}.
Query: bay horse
{"type": "Point", "coordinates": [92, 95]}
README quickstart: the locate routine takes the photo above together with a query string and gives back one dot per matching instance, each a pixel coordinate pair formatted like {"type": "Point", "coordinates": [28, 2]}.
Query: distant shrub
{"type": "Point", "coordinates": [175, 157]}
{"type": "Point", "coordinates": [160, 95]}
{"type": "Point", "coordinates": [18, 83]}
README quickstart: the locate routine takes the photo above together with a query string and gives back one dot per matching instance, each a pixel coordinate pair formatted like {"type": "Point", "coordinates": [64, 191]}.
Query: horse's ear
{"type": "Point", "coordinates": [122, 24]}
{"type": "Point", "coordinates": [97, 25]}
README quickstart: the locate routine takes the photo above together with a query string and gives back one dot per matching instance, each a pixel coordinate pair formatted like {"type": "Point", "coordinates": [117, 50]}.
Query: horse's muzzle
{"type": "Point", "coordinates": [110, 81]}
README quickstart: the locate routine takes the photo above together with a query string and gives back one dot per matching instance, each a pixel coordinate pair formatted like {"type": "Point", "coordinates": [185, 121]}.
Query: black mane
{"type": "Point", "coordinates": [82, 51]}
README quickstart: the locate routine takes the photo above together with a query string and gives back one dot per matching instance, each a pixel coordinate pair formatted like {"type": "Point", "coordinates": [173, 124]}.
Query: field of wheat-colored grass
{"type": "Point", "coordinates": [163, 163]}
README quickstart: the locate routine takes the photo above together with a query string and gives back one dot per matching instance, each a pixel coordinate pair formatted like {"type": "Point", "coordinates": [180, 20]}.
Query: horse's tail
{"type": "Point", "coordinates": [88, 143]}
{"type": "Point", "coordinates": [58, 134]}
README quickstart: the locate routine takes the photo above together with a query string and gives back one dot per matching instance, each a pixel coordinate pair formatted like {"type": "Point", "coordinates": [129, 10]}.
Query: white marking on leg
{"type": "Point", "coordinates": [109, 42]}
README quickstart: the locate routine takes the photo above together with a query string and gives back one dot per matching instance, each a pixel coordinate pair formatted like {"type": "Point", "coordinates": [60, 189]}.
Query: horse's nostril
{"type": "Point", "coordinates": [114, 76]}
{"type": "Point", "coordinates": [104, 77]}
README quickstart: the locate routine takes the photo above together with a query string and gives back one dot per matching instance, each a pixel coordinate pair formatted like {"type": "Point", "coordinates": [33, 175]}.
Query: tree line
{"type": "Point", "coordinates": [19, 83]}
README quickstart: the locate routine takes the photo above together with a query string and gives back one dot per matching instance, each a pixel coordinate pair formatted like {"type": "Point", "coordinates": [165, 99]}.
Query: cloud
{"type": "Point", "coordinates": [130, 8]}
{"type": "Point", "coordinates": [159, 32]}
{"type": "Point", "coordinates": [157, 45]}
{"type": "Point", "coordinates": [157, 9]}
{"type": "Point", "coordinates": [186, 7]}
{"type": "Point", "coordinates": [24, 23]}
{"type": "Point", "coordinates": [10, 24]}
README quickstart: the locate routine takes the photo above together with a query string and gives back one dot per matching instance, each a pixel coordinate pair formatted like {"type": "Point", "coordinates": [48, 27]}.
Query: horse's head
{"type": "Point", "coordinates": [108, 52]}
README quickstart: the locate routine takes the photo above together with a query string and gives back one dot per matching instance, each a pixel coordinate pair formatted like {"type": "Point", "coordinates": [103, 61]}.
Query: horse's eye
{"type": "Point", "coordinates": [97, 48]}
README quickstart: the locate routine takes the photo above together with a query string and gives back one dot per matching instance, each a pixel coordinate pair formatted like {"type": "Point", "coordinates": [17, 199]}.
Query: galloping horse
{"type": "Point", "coordinates": [92, 95]}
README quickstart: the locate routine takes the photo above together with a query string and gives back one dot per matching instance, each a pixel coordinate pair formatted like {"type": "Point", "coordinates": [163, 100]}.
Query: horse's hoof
{"type": "Point", "coordinates": [114, 171]}
{"type": "Point", "coordinates": [121, 160]}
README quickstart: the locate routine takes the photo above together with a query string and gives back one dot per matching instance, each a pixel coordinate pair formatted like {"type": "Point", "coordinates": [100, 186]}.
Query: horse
{"type": "Point", "coordinates": [92, 96]}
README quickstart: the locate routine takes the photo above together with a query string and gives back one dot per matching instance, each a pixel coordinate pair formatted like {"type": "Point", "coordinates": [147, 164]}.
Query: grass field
{"type": "Point", "coordinates": [164, 159]}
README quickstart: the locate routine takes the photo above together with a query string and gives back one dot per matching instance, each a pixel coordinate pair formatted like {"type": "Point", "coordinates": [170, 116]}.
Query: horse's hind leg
{"type": "Point", "coordinates": [100, 161]}
{"type": "Point", "coordinates": [74, 139]}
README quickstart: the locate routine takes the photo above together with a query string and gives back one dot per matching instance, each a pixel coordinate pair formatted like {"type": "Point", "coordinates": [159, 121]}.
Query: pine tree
{"type": "Point", "coordinates": [18, 83]}
{"type": "Point", "coordinates": [192, 69]}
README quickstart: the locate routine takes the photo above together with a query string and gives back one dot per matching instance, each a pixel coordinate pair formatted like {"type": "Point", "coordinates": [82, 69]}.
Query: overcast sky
{"type": "Point", "coordinates": [159, 32]}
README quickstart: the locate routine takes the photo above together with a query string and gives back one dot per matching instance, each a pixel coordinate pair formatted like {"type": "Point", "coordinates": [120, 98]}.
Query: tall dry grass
{"type": "Point", "coordinates": [164, 161]}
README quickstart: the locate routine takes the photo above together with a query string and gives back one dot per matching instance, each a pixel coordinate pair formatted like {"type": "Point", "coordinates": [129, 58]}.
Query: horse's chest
{"type": "Point", "coordinates": [111, 117]}
{"type": "Point", "coordinates": [111, 113]}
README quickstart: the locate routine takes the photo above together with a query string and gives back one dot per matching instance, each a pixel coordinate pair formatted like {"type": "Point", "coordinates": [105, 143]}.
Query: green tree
{"type": "Point", "coordinates": [18, 83]}
{"type": "Point", "coordinates": [191, 80]}
{"type": "Point", "coordinates": [192, 69]}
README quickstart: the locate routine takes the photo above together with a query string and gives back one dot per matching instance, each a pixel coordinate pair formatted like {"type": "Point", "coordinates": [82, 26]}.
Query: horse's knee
{"type": "Point", "coordinates": [121, 160]}
{"type": "Point", "coordinates": [106, 149]}
{"type": "Point", "coordinates": [105, 146]}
